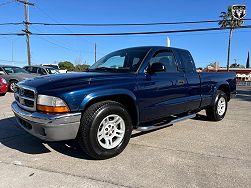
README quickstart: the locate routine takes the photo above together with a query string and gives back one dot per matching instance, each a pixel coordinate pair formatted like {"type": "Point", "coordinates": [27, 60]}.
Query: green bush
{"type": "Point", "coordinates": [80, 68]}
{"type": "Point", "coordinates": [66, 65]}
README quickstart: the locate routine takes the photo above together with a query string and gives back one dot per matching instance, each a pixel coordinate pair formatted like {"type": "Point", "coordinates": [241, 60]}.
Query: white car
{"type": "Point", "coordinates": [55, 66]}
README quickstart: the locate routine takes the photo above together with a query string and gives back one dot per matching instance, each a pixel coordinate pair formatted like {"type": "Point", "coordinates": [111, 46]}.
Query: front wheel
{"type": "Point", "coordinates": [218, 110]}
{"type": "Point", "coordinates": [105, 129]}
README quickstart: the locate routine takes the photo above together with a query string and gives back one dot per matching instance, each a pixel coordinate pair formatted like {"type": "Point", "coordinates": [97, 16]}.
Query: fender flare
{"type": "Point", "coordinates": [216, 87]}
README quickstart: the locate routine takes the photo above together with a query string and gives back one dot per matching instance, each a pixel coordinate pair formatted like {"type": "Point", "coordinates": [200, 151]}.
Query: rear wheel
{"type": "Point", "coordinates": [217, 111]}
{"type": "Point", "coordinates": [105, 129]}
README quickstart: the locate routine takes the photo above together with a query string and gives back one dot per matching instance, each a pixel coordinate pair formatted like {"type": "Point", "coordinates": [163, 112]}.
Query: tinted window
{"type": "Point", "coordinates": [167, 59]}
{"type": "Point", "coordinates": [187, 61]}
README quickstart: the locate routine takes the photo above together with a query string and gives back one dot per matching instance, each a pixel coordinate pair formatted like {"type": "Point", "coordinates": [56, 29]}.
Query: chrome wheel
{"type": "Point", "coordinates": [12, 86]}
{"type": "Point", "coordinates": [111, 131]}
{"type": "Point", "coordinates": [221, 107]}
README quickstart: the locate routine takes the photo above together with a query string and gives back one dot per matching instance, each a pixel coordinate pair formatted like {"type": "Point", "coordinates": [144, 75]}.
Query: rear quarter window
{"type": "Point", "coordinates": [187, 61]}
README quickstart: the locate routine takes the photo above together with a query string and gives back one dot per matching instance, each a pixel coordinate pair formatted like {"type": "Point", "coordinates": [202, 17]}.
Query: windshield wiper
{"type": "Point", "coordinates": [104, 68]}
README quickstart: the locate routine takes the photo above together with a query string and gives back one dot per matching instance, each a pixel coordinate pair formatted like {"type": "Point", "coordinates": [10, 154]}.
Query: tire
{"type": "Point", "coordinates": [2, 94]}
{"type": "Point", "coordinates": [12, 84]}
{"type": "Point", "coordinates": [218, 110]}
{"type": "Point", "coordinates": [105, 130]}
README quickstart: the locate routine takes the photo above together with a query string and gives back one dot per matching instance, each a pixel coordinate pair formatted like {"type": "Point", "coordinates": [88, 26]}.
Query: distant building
{"type": "Point", "coordinates": [242, 74]}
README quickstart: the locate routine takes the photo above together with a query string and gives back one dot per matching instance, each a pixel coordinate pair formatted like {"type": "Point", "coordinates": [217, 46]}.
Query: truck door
{"type": "Point", "coordinates": [162, 94]}
{"type": "Point", "coordinates": [193, 80]}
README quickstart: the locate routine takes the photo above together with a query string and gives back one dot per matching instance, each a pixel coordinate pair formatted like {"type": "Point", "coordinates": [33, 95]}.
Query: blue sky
{"type": "Point", "coordinates": [206, 47]}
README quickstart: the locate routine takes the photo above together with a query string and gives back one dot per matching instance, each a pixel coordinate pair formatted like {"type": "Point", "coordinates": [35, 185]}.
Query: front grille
{"type": "Point", "coordinates": [25, 97]}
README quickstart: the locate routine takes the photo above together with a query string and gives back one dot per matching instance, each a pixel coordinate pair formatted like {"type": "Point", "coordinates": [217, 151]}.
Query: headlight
{"type": "Point", "coordinates": [51, 104]}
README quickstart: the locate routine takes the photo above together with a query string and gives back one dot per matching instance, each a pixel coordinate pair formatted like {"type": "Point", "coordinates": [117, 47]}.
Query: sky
{"type": "Point", "coordinates": [206, 47]}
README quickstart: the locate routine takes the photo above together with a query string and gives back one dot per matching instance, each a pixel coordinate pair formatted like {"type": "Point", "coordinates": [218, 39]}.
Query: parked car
{"type": "Point", "coordinates": [13, 75]}
{"type": "Point", "coordinates": [55, 66]}
{"type": "Point", "coordinates": [141, 88]}
{"type": "Point", "coordinates": [40, 70]}
{"type": "Point", "coordinates": [3, 86]}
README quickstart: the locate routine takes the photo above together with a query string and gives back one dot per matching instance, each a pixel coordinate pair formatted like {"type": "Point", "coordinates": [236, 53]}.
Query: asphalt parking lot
{"type": "Point", "coordinates": [193, 153]}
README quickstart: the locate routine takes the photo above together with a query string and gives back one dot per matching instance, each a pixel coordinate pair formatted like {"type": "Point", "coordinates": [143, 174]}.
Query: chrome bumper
{"type": "Point", "coordinates": [48, 127]}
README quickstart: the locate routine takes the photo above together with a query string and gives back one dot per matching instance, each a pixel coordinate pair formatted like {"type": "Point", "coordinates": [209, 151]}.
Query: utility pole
{"type": "Point", "coordinates": [95, 53]}
{"type": "Point", "coordinates": [27, 32]}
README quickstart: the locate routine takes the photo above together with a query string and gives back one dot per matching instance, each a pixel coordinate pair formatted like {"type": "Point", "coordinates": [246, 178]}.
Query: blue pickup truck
{"type": "Point", "coordinates": [142, 88]}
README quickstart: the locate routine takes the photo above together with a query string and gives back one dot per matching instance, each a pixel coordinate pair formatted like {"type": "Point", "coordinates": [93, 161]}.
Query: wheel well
{"type": "Point", "coordinates": [12, 80]}
{"type": "Point", "coordinates": [225, 89]}
{"type": "Point", "coordinates": [125, 100]}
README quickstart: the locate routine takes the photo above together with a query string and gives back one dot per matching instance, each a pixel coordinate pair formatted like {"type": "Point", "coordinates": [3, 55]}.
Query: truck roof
{"type": "Point", "coordinates": [154, 48]}
{"type": "Point", "coordinates": [38, 66]}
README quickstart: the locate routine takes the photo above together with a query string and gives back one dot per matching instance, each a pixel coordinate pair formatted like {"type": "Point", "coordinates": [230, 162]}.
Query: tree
{"type": "Point", "coordinates": [236, 65]}
{"type": "Point", "coordinates": [229, 21]}
{"type": "Point", "coordinates": [247, 64]}
{"type": "Point", "coordinates": [66, 65]}
{"type": "Point", "coordinates": [81, 68]}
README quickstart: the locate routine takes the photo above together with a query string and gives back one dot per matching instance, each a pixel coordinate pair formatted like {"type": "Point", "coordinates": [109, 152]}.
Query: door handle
{"type": "Point", "coordinates": [181, 82]}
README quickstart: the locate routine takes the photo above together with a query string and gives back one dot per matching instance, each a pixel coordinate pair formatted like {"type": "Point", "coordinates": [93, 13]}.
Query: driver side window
{"type": "Point", "coordinates": [167, 59]}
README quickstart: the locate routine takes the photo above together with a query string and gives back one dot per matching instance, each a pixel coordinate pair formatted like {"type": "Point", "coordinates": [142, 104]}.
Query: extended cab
{"type": "Point", "coordinates": [141, 88]}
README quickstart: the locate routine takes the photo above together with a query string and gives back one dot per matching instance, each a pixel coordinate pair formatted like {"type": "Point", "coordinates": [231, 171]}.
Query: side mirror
{"type": "Point", "coordinates": [2, 73]}
{"type": "Point", "coordinates": [156, 67]}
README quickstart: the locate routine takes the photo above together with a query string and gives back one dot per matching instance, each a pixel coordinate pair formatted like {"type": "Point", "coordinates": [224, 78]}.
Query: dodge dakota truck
{"type": "Point", "coordinates": [142, 88]}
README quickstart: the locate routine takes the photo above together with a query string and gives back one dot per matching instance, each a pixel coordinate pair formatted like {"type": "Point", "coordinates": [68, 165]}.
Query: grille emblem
{"type": "Point", "coordinates": [21, 91]}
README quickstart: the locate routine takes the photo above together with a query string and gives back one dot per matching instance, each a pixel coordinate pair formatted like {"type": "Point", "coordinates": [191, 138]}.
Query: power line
{"type": "Point", "coordinates": [110, 24]}
{"type": "Point", "coordinates": [14, 23]}
{"type": "Point", "coordinates": [130, 33]}
{"type": "Point", "coordinates": [139, 33]}
{"type": "Point", "coordinates": [127, 24]}
{"type": "Point", "coordinates": [57, 22]}
{"type": "Point", "coordinates": [6, 3]}
{"type": "Point", "coordinates": [5, 60]}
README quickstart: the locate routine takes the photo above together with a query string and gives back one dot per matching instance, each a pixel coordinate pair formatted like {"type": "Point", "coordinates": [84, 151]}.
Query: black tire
{"type": "Point", "coordinates": [212, 111]}
{"type": "Point", "coordinates": [2, 94]}
{"type": "Point", "coordinates": [10, 85]}
{"type": "Point", "coordinates": [90, 124]}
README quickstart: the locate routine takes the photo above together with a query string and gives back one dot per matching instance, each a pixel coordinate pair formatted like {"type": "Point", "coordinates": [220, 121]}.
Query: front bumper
{"type": "Point", "coordinates": [48, 127]}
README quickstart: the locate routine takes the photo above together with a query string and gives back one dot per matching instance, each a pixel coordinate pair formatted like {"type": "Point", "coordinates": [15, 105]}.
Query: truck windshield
{"type": "Point", "coordinates": [127, 60]}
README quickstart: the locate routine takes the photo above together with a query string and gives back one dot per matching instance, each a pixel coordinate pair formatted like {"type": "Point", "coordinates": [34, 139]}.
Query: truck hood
{"type": "Point", "coordinates": [70, 81]}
